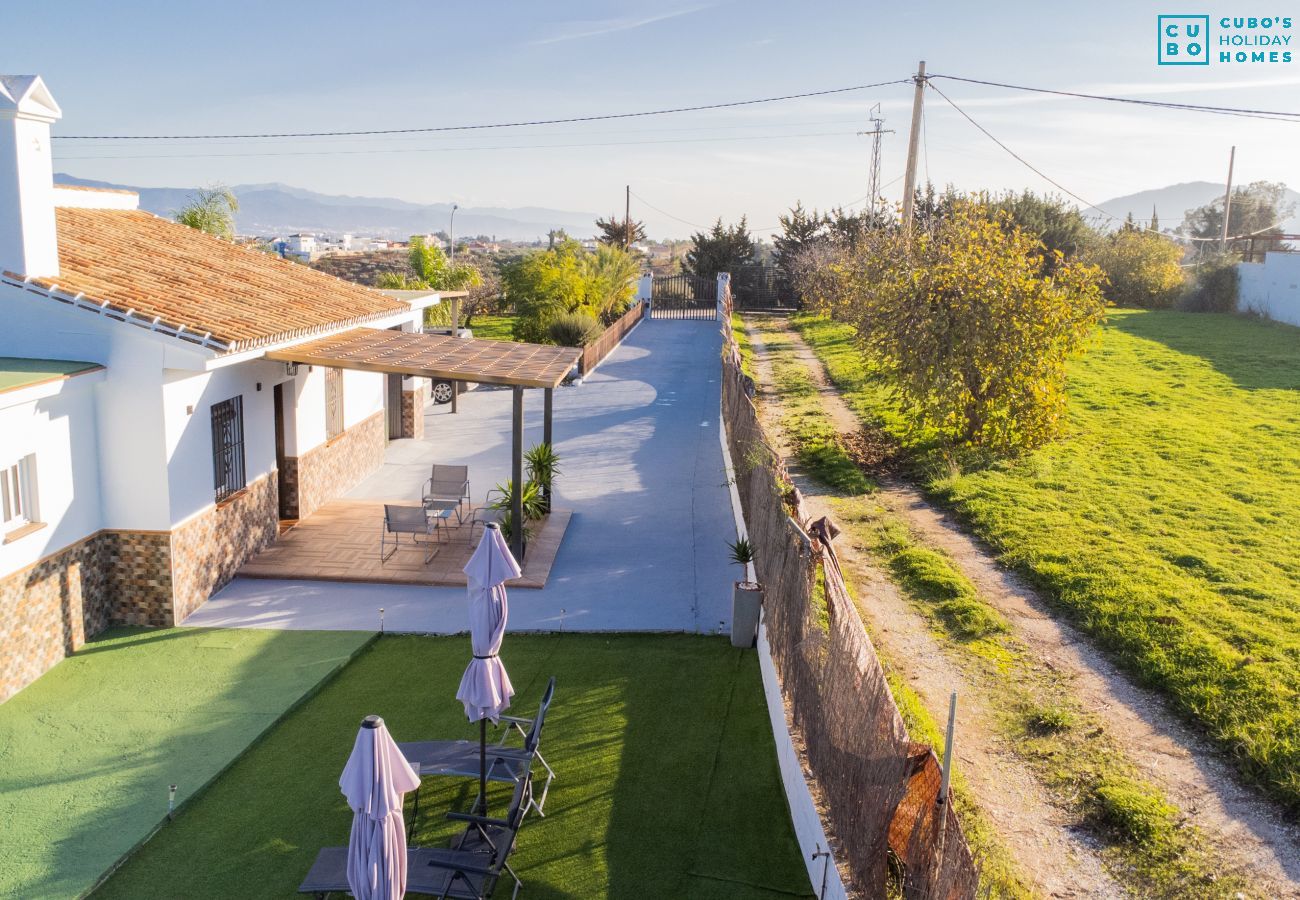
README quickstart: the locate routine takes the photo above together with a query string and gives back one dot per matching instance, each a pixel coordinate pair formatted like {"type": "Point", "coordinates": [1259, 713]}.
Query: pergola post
{"type": "Point", "coordinates": [517, 474]}
{"type": "Point", "coordinates": [547, 438]}
{"type": "Point", "coordinates": [455, 332]}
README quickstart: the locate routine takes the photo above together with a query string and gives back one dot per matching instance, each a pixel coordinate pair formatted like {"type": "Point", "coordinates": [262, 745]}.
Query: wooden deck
{"type": "Point", "coordinates": [340, 542]}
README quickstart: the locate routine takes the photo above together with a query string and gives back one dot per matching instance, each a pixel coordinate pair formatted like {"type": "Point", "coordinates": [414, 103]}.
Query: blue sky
{"type": "Point", "coordinates": [155, 67]}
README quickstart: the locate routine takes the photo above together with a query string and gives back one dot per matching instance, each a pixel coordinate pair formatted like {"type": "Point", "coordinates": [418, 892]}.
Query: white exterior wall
{"type": "Point", "coordinates": [363, 396]}
{"type": "Point", "coordinates": [56, 422]}
{"type": "Point", "coordinates": [1272, 288]}
{"type": "Point", "coordinates": [143, 461]}
{"type": "Point", "coordinates": [188, 435]}
{"type": "Point", "coordinates": [129, 418]}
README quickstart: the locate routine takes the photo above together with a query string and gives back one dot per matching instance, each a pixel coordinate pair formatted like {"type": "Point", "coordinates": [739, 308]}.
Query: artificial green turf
{"type": "Point", "coordinates": [1166, 520]}
{"type": "Point", "coordinates": [88, 750]}
{"type": "Point", "coordinates": [667, 782]}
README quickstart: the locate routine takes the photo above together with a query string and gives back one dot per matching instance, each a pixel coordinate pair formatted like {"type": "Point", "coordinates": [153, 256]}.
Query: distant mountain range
{"type": "Point", "coordinates": [271, 209]}
{"type": "Point", "coordinates": [1172, 202]}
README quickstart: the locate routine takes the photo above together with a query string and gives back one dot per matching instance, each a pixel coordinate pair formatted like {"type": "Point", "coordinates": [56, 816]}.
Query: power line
{"type": "Point", "coordinates": [1071, 193]}
{"type": "Point", "coordinates": [1273, 115]}
{"type": "Point", "coordinates": [570, 119]}
{"type": "Point", "coordinates": [1017, 156]}
{"type": "Point", "coordinates": [373, 150]}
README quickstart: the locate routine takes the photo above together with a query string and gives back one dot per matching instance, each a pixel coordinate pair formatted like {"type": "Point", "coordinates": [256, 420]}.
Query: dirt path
{"type": "Point", "coordinates": [1249, 834]}
{"type": "Point", "coordinates": [1064, 863]}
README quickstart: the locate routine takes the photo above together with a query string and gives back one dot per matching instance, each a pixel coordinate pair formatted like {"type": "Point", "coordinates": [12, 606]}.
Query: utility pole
{"type": "Point", "coordinates": [909, 177]}
{"type": "Point", "coordinates": [627, 218]}
{"type": "Point", "coordinates": [877, 120]}
{"type": "Point", "coordinates": [1227, 200]}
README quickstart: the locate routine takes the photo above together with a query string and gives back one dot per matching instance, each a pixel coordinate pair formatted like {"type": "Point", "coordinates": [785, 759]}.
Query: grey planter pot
{"type": "Point", "coordinates": [746, 604]}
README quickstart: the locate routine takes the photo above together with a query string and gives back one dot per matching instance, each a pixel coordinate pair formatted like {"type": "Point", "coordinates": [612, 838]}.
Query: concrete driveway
{"type": "Point", "coordinates": [642, 471]}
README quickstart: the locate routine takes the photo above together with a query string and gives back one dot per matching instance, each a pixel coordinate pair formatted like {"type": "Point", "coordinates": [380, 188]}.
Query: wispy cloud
{"type": "Point", "coordinates": [572, 31]}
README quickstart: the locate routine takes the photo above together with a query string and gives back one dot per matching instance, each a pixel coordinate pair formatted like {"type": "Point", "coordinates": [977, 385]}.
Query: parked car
{"type": "Point", "coordinates": [443, 390]}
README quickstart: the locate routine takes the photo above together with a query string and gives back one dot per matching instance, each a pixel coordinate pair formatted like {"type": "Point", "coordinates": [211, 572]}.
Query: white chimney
{"type": "Point", "coordinates": [28, 239]}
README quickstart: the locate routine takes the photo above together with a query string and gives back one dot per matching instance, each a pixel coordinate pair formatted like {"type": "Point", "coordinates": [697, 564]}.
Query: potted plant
{"type": "Point", "coordinates": [746, 597]}
{"type": "Point", "coordinates": [543, 465]}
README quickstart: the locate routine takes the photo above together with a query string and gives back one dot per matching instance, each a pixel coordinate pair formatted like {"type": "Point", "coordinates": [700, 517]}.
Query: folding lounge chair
{"type": "Point", "coordinates": [460, 759]}
{"type": "Point", "coordinates": [448, 484]}
{"type": "Point", "coordinates": [468, 870]}
{"type": "Point", "coordinates": [412, 520]}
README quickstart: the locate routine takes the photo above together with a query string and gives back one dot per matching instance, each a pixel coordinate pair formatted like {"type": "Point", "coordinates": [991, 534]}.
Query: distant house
{"type": "Point", "coordinates": [147, 446]}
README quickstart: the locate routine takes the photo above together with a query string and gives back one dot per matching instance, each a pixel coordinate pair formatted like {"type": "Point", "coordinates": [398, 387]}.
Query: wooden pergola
{"type": "Point", "coordinates": [447, 358]}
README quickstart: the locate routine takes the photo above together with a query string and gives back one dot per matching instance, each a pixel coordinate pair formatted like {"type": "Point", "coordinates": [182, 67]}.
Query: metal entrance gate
{"type": "Point", "coordinates": [683, 297]}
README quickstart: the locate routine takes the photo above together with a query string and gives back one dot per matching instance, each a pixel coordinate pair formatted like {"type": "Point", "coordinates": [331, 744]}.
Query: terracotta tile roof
{"type": "Point", "coordinates": [133, 260]}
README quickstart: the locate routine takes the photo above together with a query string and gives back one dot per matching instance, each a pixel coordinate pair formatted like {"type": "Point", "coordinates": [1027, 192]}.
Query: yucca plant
{"type": "Point", "coordinates": [543, 465]}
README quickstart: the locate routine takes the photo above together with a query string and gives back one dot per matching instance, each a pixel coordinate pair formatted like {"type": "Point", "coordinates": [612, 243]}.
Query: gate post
{"type": "Point", "coordinates": [724, 295]}
{"type": "Point", "coordinates": [645, 287]}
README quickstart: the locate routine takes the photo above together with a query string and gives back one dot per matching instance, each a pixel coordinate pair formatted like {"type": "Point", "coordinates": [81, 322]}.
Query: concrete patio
{"type": "Point", "coordinates": [641, 471]}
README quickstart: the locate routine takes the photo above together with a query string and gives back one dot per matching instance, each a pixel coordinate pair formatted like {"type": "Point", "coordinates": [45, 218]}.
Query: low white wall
{"type": "Point", "coordinates": [1272, 288]}
{"type": "Point", "coordinates": [57, 425]}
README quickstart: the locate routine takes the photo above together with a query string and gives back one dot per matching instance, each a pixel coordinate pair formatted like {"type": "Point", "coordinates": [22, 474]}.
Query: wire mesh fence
{"type": "Point", "coordinates": [879, 789]}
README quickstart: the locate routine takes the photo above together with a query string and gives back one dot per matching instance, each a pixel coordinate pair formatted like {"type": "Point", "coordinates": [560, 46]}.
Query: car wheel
{"type": "Point", "coordinates": [442, 391]}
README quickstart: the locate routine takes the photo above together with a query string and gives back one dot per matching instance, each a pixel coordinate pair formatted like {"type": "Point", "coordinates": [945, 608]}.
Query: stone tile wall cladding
{"type": "Point", "coordinates": [49, 609]}
{"type": "Point", "coordinates": [288, 478]}
{"type": "Point", "coordinates": [208, 549]}
{"type": "Point", "coordinates": [331, 469]}
{"type": "Point", "coordinates": [157, 578]}
{"type": "Point", "coordinates": [413, 409]}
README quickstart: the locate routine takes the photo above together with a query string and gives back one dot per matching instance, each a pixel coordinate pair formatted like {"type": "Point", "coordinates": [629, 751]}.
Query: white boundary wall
{"type": "Point", "coordinates": [1272, 288]}
{"type": "Point", "coordinates": [808, 828]}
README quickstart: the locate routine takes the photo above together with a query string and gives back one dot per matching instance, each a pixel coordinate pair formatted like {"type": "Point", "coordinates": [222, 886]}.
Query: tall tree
{"type": "Point", "coordinates": [799, 228]}
{"type": "Point", "coordinates": [965, 324]}
{"type": "Point", "coordinates": [1048, 217]}
{"type": "Point", "coordinates": [432, 270]}
{"type": "Point", "coordinates": [1258, 210]}
{"type": "Point", "coordinates": [620, 232]}
{"type": "Point", "coordinates": [723, 248]}
{"type": "Point", "coordinates": [212, 210]}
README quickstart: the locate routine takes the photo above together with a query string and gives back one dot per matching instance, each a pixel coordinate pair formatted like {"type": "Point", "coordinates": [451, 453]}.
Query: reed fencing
{"type": "Point", "coordinates": [878, 788]}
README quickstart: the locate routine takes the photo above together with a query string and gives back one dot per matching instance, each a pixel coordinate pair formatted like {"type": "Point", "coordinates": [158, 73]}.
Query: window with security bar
{"type": "Point", "coordinates": [228, 447]}
{"type": "Point", "coordinates": [18, 494]}
{"type": "Point", "coordinates": [333, 403]}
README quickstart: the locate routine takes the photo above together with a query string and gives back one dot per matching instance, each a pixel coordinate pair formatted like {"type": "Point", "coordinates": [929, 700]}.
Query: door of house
{"type": "Point", "coordinates": [393, 405]}
{"type": "Point", "coordinates": [287, 483]}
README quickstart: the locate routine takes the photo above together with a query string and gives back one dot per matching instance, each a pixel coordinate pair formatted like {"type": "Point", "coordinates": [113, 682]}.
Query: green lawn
{"type": "Point", "coordinates": [1167, 521]}
{"type": "Point", "coordinates": [88, 750]}
{"type": "Point", "coordinates": [494, 328]}
{"type": "Point", "coordinates": [667, 778]}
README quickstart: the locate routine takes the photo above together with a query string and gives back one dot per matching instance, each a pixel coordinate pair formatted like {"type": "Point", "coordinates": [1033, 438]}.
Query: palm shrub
{"type": "Point", "coordinates": [573, 330]}
{"type": "Point", "coordinates": [611, 282]}
{"type": "Point", "coordinates": [543, 464]}
{"type": "Point", "coordinates": [531, 502]}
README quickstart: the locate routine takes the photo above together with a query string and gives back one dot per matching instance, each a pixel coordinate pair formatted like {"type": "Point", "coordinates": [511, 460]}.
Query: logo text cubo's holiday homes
{"type": "Point", "coordinates": [1198, 40]}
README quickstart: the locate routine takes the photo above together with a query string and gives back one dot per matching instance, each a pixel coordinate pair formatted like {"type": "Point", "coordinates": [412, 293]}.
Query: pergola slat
{"type": "Point", "coordinates": [436, 356]}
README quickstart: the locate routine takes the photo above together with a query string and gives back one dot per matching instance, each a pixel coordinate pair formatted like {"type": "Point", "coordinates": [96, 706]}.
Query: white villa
{"type": "Point", "coordinates": [147, 445]}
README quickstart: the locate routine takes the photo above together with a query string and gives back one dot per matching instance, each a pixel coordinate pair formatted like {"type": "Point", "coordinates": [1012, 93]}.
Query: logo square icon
{"type": "Point", "coordinates": [1183, 40]}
